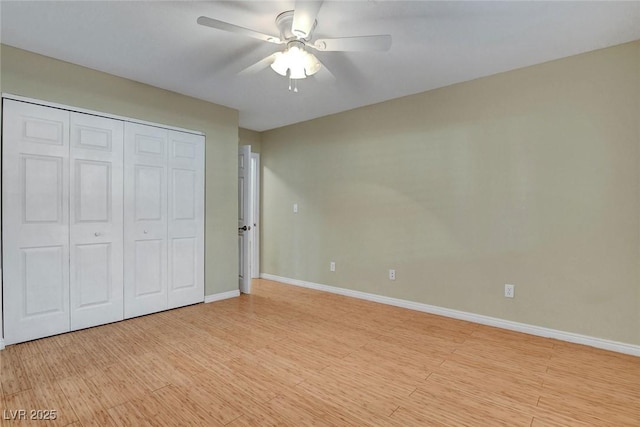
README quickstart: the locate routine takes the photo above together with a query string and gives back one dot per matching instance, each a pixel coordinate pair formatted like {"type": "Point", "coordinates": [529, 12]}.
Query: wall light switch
{"type": "Point", "coordinates": [332, 266]}
{"type": "Point", "coordinates": [295, 208]}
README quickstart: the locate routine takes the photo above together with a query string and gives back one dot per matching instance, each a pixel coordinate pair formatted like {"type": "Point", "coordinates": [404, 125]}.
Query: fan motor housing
{"type": "Point", "coordinates": [284, 22]}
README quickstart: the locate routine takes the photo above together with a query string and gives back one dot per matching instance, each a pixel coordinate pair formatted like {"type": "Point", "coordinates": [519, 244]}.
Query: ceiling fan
{"type": "Point", "coordinates": [296, 32]}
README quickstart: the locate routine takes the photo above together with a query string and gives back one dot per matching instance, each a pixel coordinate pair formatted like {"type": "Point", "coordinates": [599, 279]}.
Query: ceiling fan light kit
{"type": "Point", "coordinates": [296, 30]}
{"type": "Point", "coordinates": [296, 60]}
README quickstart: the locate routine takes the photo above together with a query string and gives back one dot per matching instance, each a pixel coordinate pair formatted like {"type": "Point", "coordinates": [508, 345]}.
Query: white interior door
{"type": "Point", "coordinates": [145, 220]}
{"type": "Point", "coordinates": [35, 209]}
{"type": "Point", "coordinates": [186, 219]}
{"type": "Point", "coordinates": [96, 228]}
{"type": "Point", "coordinates": [244, 213]}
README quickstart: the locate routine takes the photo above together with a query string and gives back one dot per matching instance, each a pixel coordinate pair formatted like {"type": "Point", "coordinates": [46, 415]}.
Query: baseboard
{"type": "Point", "coordinates": [221, 296]}
{"type": "Point", "coordinates": [1, 344]}
{"type": "Point", "coordinates": [571, 337]}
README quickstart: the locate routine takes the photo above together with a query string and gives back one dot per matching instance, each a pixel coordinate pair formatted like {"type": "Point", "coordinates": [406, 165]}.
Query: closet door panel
{"type": "Point", "coordinates": [35, 218]}
{"type": "Point", "coordinates": [96, 220]}
{"type": "Point", "coordinates": [145, 227]}
{"type": "Point", "coordinates": [186, 219]}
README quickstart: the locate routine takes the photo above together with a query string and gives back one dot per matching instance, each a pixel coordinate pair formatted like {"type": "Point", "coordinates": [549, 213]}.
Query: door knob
{"type": "Point", "coordinates": [145, 231]}
{"type": "Point", "coordinates": [97, 233]}
{"type": "Point", "coordinates": [245, 228]}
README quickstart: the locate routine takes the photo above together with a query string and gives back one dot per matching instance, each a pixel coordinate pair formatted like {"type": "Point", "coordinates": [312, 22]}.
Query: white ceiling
{"type": "Point", "coordinates": [434, 44]}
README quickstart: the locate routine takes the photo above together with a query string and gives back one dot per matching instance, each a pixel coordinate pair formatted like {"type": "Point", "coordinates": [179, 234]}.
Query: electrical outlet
{"type": "Point", "coordinates": [509, 291]}
{"type": "Point", "coordinates": [392, 274]}
{"type": "Point", "coordinates": [295, 208]}
{"type": "Point", "coordinates": [332, 266]}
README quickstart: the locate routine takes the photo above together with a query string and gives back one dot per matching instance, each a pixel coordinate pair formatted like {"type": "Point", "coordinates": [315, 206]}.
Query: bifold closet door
{"type": "Point", "coordinates": [35, 221]}
{"type": "Point", "coordinates": [145, 220]}
{"type": "Point", "coordinates": [186, 219]}
{"type": "Point", "coordinates": [96, 228]}
{"type": "Point", "coordinates": [102, 220]}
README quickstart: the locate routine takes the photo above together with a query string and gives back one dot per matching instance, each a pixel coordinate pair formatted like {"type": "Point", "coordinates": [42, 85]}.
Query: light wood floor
{"type": "Point", "coordinates": [292, 356]}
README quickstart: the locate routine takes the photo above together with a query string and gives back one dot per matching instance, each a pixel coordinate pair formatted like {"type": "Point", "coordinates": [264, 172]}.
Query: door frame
{"type": "Point", "coordinates": [249, 244]}
{"type": "Point", "coordinates": [255, 215]}
{"type": "Point", "coordinates": [1, 258]}
{"type": "Point", "coordinates": [244, 218]}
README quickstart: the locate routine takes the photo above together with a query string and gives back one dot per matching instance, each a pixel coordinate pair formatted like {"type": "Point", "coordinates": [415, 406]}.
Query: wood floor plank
{"type": "Point", "coordinates": [15, 377]}
{"type": "Point", "coordinates": [432, 332]}
{"type": "Point", "coordinates": [129, 414]}
{"type": "Point", "coordinates": [82, 397]}
{"type": "Point", "coordinates": [549, 417]}
{"type": "Point", "coordinates": [147, 408]}
{"type": "Point", "coordinates": [290, 371]}
{"type": "Point", "coordinates": [59, 359]}
{"type": "Point", "coordinates": [531, 355]}
{"type": "Point", "coordinates": [368, 379]}
{"type": "Point", "coordinates": [47, 398]}
{"type": "Point", "coordinates": [376, 400]}
{"type": "Point", "coordinates": [556, 383]}
{"type": "Point", "coordinates": [557, 421]}
{"type": "Point", "coordinates": [372, 359]}
{"type": "Point", "coordinates": [296, 405]}
{"type": "Point", "coordinates": [450, 406]}
{"type": "Point", "coordinates": [595, 413]}
{"type": "Point", "coordinates": [102, 418]}
{"type": "Point", "coordinates": [151, 370]}
{"type": "Point", "coordinates": [598, 370]}
{"type": "Point", "coordinates": [420, 342]}
{"type": "Point", "coordinates": [293, 356]}
{"type": "Point", "coordinates": [178, 409]}
{"type": "Point", "coordinates": [299, 354]}
{"type": "Point", "coordinates": [238, 384]}
{"type": "Point", "coordinates": [398, 350]}
{"type": "Point", "coordinates": [260, 418]}
{"type": "Point", "coordinates": [523, 389]}
{"type": "Point", "coordinates": [268, 373]}
{"type": "Point", "coordinates": [502, 368]}
{"type": "Point", "coordinates": [498, 335]}
{"type": "Point", "coordinates": [38, 370]}
{"type": "Point", "coordinates": [383, 371]}
{"type": "Point", "coordinates": [116, 385]}
{"type": "Point", "coordinates": [366, 415]}
{"type": "Point", "coordinates": [210, 402]}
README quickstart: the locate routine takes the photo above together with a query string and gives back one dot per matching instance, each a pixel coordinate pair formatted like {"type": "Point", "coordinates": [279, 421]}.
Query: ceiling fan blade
{"type": "Point", "coordinates": [225, 26]}
{"type": "Point", "coordinates": [304, 17]}
{"type": "Point", "coordinates": [259, 66]}
{"type": "Point", "coordinates": [354, 44]}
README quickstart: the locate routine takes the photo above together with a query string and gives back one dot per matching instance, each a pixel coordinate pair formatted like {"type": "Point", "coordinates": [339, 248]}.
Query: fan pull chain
{"type": "Point", "coordinates": [295, 84]}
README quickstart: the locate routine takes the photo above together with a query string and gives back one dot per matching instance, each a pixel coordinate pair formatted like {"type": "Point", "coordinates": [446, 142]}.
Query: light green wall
{"type": "Point", "coordinates": [250, 137]}
{"type": "Point", "coordinates": [27, 74]}
{"type": "Point", "coordinates": [528, 177]}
